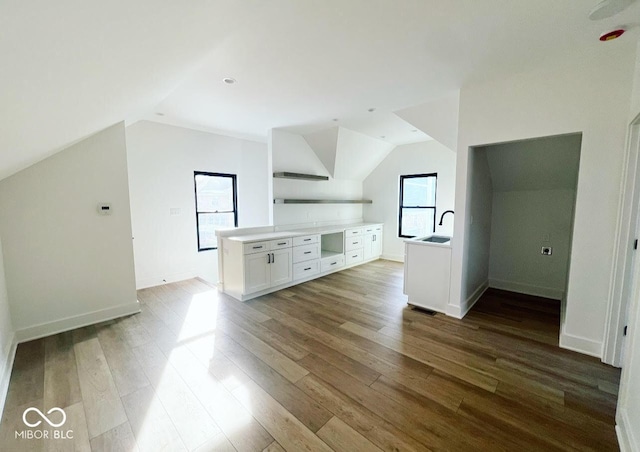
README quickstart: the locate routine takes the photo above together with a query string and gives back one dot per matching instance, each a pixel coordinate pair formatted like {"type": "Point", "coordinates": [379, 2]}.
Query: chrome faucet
{"type": "Point", "coordinates": [442, 216]}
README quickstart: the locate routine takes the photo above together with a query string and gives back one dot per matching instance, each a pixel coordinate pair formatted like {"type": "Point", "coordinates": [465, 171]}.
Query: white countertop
{"type": "Point", "coordinates": [418, 241]}
{"type": "Point", "coordinates": [297, 232]}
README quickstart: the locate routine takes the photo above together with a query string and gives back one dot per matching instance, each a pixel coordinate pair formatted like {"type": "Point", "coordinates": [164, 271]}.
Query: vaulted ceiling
{"type": "Point", "coordinates": [71, 67]}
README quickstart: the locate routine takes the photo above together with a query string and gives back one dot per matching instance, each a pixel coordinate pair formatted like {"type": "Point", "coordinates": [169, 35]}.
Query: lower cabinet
{"type": "Point", "coordinates": [265, 270]}
{"type": "Point", "coordinates": [372, 243]}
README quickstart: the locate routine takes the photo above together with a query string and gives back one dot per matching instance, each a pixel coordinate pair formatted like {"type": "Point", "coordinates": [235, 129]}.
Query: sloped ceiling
{"type": "Point", "coordinates": [358, 154]}
{"type": "Point", "coordinates": [541, 164]}
{"type": "Point", "coordinates": [325, 144]}
{"type": "Point", "coordinates": [71, 68]}
{"type": "Point", "coordinates": [437, 118]}
{"type": "Point", "coordinates": [347, 154]}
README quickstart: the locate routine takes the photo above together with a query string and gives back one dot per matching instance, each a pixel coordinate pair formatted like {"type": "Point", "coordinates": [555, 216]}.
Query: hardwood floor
{"type": "Point", "coordinates": [339, 363]}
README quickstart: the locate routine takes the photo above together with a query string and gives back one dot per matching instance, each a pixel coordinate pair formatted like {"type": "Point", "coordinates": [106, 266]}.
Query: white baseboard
{"type": "Point", "coordinates": [160, 280]}
{"type": "Point", "coordinates": [5, 373]}
{"type": "Point", "coordinates": [393, 257]}
{"type": "Point", "coordinates": [626, 437]}
{"type": "Point", "coordinates": [475, 296]}
{"type": "Point", "coordinates": [528, 289]}
{"type": "Point", "coordinates": [78, 321]}
{"type": "Point", "coordinates": [460, 311]}
{"type": "Point", "coordinates": [581, 345]}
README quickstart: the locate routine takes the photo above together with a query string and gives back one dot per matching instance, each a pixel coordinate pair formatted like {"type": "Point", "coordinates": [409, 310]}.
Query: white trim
{"type": "Point", "coordinates": [393, 257]}
{"type": "Point", "coordinates": [528, 289]}
{"type": "Point", "coordinates": [78, 321]}
{"type": "Point", "coordinates": [5, 374]}
{"type": "Point", "coordinates": [626, 439]}
{"type": "Point", "coordinates": [622, 275]}
{"type": "Point", "coordinates": [580, 344]}
{"type": "Point", "coordinates": [161, 280]}
{"type": "Point", "coordinates": [458, 312]}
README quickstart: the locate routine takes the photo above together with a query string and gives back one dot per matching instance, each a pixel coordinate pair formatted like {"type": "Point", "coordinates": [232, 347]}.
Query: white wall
{"type": "Point", "coordinates": [382, 186]}
{"type": "Point", "coordinates": [580, 94]}
{"type": "Point", "coordinates": [522, 222]}
{"type": "Point", "coordinates": [162, 160]}
{"type": "Point", "coordinates": [6, 337]}
{"type": "Point", "coordinates": [480, 205]}
{"type": "Point", "coordinates": [65, 264]}
{"type": "Point", "coordinates": [292, 153]}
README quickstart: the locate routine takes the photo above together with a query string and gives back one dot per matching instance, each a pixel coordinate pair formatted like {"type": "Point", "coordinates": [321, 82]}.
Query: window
{"type": "Point", "coordinates": [417, 213]}
{"type": "Point", "coordinates": [216, 206]}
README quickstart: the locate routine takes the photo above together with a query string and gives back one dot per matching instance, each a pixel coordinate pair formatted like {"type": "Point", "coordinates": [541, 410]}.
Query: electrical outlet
{"type": "Point", "coordinates": [546, 251]}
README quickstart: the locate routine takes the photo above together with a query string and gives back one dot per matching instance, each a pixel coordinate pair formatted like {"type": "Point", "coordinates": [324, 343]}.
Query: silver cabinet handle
{"type": "Point", "coordinates": [257, 247]}
{"type": "Point", "coordinates": [282, 243]}
{"type": "Point", "coordinates": [307, 252]}
{"type": "Point", "coordinates": [306, 240]}
{"type": "Point", "coordinates": [273, 258]}
{"type": "Point", "coordinates": [268, 258]}
{"type": "Point", "coordinates": [308, 268]}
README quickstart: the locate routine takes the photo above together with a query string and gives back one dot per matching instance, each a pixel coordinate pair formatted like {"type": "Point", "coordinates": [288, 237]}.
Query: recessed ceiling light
{"type": "Point", "coordinates": [335, 119]}
{"type": "Point", "coordinates": [160, 114]}
{"type": "Point", "coordinates": [414, 130]}
{"type": "Point", "coordinates": [383, 136]}
{"type": "Point", "coordinates": [371, 110]}
{"type": "Point", "coordinates": [229, 80]}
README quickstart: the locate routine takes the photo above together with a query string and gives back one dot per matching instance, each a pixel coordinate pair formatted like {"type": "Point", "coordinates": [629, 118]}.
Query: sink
{"type": "Point", "coordinates": [436, 239]}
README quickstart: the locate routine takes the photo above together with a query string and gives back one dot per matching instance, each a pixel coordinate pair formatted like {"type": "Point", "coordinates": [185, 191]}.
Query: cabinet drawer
{"type": "Point", "coordinates": [354, 256]}
{"type": "Point", "coordinates": [352, 232]}
{"type": "Point", "coordinates": [279, 244]}
{"type": "Point", "coordinates": [256, 247]}
{"type": "Point", "coordinates": [305, 269]}
{"type": "Point", "coordinates": [352, 243]}
{"type": "Point", "coordinates": [331, 263]}
{"type": "Point", "coordinates": [306, 252]}
{"type": "Point", "coordinates": [306, 240]}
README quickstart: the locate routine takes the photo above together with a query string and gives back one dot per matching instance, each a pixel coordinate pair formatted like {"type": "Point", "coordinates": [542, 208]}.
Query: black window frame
{"type": "Point", "coordinates": [401, 206]}
{"type": "Point", "coordinates": [234, 179]}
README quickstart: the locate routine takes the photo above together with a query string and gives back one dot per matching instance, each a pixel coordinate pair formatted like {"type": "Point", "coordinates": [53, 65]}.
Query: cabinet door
{"type": "Point", "coordinates": [281, 267]}
{"type": "Point", "coordinates": [368, 246]}
{"type": "Point", "coordinates": [376, 245]}
{"type": "Point", "coordinates": [257, 275]}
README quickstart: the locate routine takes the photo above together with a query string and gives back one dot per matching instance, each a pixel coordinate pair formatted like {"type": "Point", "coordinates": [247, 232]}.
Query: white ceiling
{"type": "Point", "coordinates": [548, 163]}
{"type": "Point", "coordinates": [72, 67]}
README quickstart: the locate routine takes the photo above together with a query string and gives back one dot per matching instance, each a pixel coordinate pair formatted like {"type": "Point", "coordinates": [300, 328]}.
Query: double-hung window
{"type": "Point", "coordinates": [417, 212]}
{"type": "Point", "coordinates": [216, 206]}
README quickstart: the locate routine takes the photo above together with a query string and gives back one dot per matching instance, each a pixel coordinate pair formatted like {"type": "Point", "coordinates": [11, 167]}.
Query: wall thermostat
{"type": "Point", "coordinates": [104, 208]}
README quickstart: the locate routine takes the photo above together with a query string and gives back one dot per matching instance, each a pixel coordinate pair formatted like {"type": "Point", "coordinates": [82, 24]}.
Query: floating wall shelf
{"type": "Point", "coordinates": [321, 201]}
{"type": "Point", "coordinates": [299, 176]}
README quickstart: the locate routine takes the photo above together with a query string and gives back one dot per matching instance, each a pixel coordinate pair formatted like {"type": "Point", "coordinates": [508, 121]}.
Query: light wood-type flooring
{"type": "Point", "coordinates": [339, 363]}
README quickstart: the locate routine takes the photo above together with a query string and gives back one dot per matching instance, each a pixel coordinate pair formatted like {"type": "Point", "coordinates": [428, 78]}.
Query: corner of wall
{"type": "Point", "coordinates": [580, 344]}
{"type": "Point", "coordinates": [627, 440]}
{"type": "Point", "coordinates": [8, 357]}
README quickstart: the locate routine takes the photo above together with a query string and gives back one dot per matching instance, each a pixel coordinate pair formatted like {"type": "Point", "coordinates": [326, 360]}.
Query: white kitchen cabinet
{"type": "Point", "coordinates": [257, 273]}
{"type": "Point", "coordinates": [265, 270]}
{"type": "Point", "coordinates": [427, 274]}
{"type": "Point", "coordinates": [257, 264]}
{"type": "Point", "coordinates": [372, 243]}
{"type": "Point", "coordinates": [281, 267]}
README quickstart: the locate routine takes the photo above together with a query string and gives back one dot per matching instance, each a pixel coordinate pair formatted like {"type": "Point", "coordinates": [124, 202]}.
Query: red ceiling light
{"type": "Point", "coordinates": [611, 35]}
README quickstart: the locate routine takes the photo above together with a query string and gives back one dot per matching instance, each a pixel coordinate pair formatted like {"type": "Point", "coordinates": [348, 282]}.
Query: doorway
{"type": "Point", "coordinates": [523, 198]}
